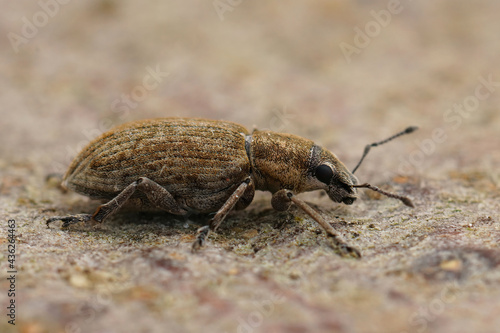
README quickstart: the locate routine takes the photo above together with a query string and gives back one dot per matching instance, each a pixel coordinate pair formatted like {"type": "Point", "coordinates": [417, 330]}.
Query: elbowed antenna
{"type": "Point", "coordinates": [407, 201]}
{"type": "Point", "coordinates": [375, 144]}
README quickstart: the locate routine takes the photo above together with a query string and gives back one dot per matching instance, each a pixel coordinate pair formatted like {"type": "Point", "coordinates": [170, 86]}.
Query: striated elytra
{"type": "Point", "coordinates": [189, 164]}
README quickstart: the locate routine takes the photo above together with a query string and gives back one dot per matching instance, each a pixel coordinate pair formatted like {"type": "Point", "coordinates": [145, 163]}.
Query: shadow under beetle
{"type": "Point", "coordinates": [186, 164]}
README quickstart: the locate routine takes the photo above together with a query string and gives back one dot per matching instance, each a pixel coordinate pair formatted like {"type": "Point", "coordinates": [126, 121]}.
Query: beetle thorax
{"type": "Point", "coordinates": [279, 161]}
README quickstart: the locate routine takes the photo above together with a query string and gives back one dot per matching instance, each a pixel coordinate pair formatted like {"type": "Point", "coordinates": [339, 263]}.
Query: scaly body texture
{"type": "Point", "coordinates": [183, 164]}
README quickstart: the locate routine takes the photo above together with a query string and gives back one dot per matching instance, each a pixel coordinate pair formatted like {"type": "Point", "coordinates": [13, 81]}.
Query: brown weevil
{"type": "Point", "coordinates": [183, 165]}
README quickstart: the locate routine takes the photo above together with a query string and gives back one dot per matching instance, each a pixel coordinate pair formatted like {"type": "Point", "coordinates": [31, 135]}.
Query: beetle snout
{"type": "Point", "coordinates": [348, 200]}
{"type": "Point", "coordinates": [350, 195]}
{"type": "Point", "coordinates": [350, 192]}
{"type": "Point", "coordinates": [342, 193]}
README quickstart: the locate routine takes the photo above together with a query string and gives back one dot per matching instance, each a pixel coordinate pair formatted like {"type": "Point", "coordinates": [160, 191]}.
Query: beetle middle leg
{"type": "Point", "coordinates": [155, 193]}
{"type": "Point", "coordinates": [215, 222]}
{"type": "Point", "coordinates": [282, 200]}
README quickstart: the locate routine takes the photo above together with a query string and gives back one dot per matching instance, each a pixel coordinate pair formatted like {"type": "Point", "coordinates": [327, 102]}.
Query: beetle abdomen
{"type": "Point", "coordinates": [189, 157]}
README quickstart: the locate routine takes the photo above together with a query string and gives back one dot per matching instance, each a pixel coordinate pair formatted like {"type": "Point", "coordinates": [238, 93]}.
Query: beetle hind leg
{"type": "Point", "coordinates": [154, 192]}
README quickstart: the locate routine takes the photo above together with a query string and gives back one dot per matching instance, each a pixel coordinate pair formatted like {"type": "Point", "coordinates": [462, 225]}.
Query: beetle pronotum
{"type": "Point", "coordinates": [183, 164]}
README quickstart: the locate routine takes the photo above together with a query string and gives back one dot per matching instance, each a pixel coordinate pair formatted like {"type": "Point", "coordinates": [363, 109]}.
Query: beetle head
{"type": "Point", "coordinates": [327, 172]}
{"type": "Point", "coordinates": [340, 183]}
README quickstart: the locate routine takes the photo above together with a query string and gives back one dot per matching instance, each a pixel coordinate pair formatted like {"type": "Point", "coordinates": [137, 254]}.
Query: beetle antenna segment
{"type": "Point", "coordinates": [375, 144]}
{"type": "Point", "coordinates": [407, 201]}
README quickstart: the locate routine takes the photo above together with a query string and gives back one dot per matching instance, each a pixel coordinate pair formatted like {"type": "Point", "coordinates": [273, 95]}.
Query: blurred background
{"type": "Point", "coordinates": [343, 74]}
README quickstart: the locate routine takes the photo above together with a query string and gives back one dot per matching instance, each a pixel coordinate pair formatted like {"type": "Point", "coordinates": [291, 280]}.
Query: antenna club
{"type": "Point", "coordinates": [375, 144]}
{"type": "Point", "coordinates": [407, 202]}
{"type": "Point", "coordinates": [411, 129]}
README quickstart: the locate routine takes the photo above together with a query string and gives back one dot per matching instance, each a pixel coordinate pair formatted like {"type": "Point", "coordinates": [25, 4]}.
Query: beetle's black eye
{"type": "Point", "coordinates": [324, 173]}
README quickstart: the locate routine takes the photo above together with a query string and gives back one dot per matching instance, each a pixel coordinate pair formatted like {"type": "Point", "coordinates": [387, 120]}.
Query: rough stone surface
{"type": "Point", "coordinates": [88, 66]}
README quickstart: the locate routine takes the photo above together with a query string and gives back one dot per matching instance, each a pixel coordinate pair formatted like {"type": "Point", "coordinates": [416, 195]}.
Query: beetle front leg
{"type": "Point", "coordinates": [155, 193]}
{"type": "Point", "coordinates": [215, 222]}
{"type": "Point", "coordinates": [282, 200]}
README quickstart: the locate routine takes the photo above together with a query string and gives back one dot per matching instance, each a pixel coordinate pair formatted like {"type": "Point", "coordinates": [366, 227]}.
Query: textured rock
{"type": "Point", "coordinates": [97, 64]}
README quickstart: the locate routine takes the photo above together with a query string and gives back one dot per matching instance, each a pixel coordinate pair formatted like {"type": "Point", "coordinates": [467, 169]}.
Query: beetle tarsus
{"type": "Point", "coordinates": [344, 249]}
{"type": "Point", "coordinates": [201, 236]}
{"type": "Point", "coordinates": [69, 220]}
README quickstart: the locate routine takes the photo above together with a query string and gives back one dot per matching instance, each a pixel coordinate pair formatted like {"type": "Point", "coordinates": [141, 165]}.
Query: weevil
{"type": "Point", "coordinates": [184, 165]}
